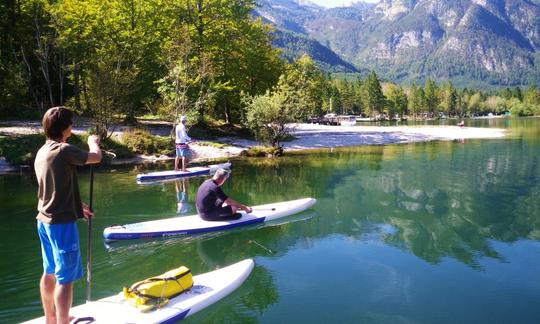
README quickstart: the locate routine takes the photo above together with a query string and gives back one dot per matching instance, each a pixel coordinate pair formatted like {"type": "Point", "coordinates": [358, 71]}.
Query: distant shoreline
{"type": "Point", "coordinates": [306, 137]}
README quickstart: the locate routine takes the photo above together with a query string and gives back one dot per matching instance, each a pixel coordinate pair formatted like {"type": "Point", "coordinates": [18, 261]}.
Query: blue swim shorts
{"type": "Point", "coordinates": [60, 250]}
{"type": "Point", "coordinates": [182, 152]}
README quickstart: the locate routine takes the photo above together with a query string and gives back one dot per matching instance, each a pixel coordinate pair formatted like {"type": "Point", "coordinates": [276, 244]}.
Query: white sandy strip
{"type": "Point", "coordinates": [309, 136]}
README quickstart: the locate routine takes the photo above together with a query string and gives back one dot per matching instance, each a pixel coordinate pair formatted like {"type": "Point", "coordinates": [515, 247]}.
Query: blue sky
{"type": "Point", "coordinates": [337, 3]}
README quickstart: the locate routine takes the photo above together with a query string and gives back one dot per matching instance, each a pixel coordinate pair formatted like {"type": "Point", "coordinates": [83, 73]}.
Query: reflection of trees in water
{"type": "Point", "coordinates": [245, 304]}
{"type": "Point", "coordinates": [443, 198]}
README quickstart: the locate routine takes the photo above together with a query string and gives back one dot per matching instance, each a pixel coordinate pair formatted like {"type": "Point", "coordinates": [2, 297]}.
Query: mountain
{"type": "Point", "coordinates": [480, 42]}
{"type": "Point", "coordinates": [294, 45]}
{"type": "Point", "coordinates": [292, 38]}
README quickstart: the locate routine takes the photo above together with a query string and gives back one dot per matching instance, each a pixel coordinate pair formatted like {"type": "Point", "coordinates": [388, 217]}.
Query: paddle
{"type": "Point", "coordinates": [272, 209]}
{"type": "Point", "coordinates": [89, 235]}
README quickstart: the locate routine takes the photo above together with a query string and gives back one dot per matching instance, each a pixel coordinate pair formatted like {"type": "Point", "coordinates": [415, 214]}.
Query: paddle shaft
{"type": "Point", "coordinates": [272, 209]}
{"type": "Point", "coordinates": [89, 241]}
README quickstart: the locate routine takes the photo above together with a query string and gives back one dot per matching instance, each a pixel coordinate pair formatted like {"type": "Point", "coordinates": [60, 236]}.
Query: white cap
{"type": "Point", "coordinates": [221, 174]}
{"type": "Point", "coordinates": [183, 118]}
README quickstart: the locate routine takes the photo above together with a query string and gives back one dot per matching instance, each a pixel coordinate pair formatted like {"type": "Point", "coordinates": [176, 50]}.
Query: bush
{"type": "Point", "coordinates": [142, 142]}
{"type": "Point", "coordinates": [262, 151]}
{"type": "Point", "coordinates": [21, 149]}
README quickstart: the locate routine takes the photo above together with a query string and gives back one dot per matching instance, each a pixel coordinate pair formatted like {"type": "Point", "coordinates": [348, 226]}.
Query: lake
{"type": "Point", "coordinates": [437, 232]}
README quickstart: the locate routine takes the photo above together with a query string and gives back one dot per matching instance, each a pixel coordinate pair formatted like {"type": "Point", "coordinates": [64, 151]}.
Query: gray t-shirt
{"type": "Point", "coordinates": [56, 171]}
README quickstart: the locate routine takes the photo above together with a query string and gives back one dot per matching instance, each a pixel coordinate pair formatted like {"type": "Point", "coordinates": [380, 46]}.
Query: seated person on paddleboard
{"type": "Point", "coordinates": [181, 143]}
{"type": "Point", "coordinates": [59, 207]}
{"type": "Point", "coordinates": [213, 204]}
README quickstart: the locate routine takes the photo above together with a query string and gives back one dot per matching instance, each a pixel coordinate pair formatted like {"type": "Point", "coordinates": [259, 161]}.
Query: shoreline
{"type": "Point", "coordinates": [306, 137]}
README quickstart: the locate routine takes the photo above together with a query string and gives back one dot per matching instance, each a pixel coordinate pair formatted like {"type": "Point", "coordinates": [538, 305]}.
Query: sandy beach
{"type": "Point", "coordinates": [307, 136]}
{"type": "Point", "coordinates": [314, 136]}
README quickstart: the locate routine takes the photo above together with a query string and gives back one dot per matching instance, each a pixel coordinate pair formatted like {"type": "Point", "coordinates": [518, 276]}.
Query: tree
{"type": "Point", "coordinates": [307, 83]}
{"type": "Point", "coordinates": [431, 95]}
{"type": "Point", "coordinates": [475, 102]}
{"type": "Point", "coordinates": [532, 96]}
{"type": "Point", "coordinates": [449, 98]}
{"type": "Point", "coordinates": [374, 99]}
{"type": "Point", "coordinates": [397, 101]}
{"type": "Point", "coordinates": [416, 99]}
{"type": "Point", "coordinates": [238, 49]}
{"type": "Point", "coordinates": [268, 115]}
{"type": "Point", "coordinates": [188, 87]}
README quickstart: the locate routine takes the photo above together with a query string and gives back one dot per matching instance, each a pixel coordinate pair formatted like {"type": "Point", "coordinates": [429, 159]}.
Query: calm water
{"type": "Point", "coordinates": [440, 232]}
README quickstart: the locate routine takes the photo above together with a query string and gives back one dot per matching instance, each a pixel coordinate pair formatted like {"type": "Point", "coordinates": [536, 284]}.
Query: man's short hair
{"type": "Point", "coordinates": [221, 174]}
{"type": "Point", "coordinates": [55, 121]}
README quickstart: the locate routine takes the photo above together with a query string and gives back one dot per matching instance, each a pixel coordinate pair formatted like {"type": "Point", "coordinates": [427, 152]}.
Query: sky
{"type": "Point", "coordinates": [337, 3]}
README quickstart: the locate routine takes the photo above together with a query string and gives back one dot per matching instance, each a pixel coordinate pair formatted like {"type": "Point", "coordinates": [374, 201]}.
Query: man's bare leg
{"type": "Point", "coordinates": [46, 288]}
{"type": "Point", "coordinates": [176, 160]}
{"type": "Point", "coordinates": [184, 163]}
{"type": "Point", "coordinates": [63, 294]}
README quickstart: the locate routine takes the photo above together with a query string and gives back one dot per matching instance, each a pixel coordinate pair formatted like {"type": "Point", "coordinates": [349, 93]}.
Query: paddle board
{"type": "Point", "coordinates": [190, 172]}
{"type": "Point", "coordinates": [186, 225]}
{"type": "Point", "coordinates": [207, 289]}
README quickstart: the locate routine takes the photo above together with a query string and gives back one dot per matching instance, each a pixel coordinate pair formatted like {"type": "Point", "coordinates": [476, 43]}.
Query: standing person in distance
{"type": "Point", "coordinates": [181, 142]}
{"type": "Point", "coordinates": [59, 207]}
{"type": "Point", "coordinates": [213, 204]}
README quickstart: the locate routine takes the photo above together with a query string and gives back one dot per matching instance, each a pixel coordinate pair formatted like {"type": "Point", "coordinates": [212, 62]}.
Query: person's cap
{"type": "Point", "coordinates": [222, 173]}
{"type": "Point", "coordinates": [183, 118]}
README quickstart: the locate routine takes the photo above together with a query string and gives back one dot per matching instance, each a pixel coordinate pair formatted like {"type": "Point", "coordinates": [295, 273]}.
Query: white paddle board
{"type": "Point", "coordinates": [207, 289]}
{"type": "Point", "coordinates": [187, 225]}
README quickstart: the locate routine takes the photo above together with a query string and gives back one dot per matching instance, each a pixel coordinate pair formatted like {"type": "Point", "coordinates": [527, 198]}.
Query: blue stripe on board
{"type": "Point", "coordinates": [133, 236]}
{"type": "Point", "coordinates": [176, 317]}
{"type": "Point", "coordinates": [144, 177]}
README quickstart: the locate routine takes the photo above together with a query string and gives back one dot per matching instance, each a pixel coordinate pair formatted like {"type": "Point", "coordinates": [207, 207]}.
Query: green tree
{"type": "Point", "coordinates": [268, 115]}
{"type": "Point", "coordinates": [374, 100]}
{"type": "Point", "coordinates": [532, 96]}
{"type": "Point", "coordinates": [431, 95]}
{"type": "Point", "coordinates": [475, 103]}
{"type": "Point", "coordinates": [307, 83]}
{"type": "Point", "coordinates": [416, 99]}
{"type": "Point", "coordinates": [397, 101]}
{"type": "Point", "coordinates": [449, 99]}
{"type": "Point", "coordinates": [238, 49]}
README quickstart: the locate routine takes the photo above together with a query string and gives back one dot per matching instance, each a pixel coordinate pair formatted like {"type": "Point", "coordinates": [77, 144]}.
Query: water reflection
{"type": "Point", "coordinates": [440, 199]}
{"type": "Point", "coordinates": [183, 206]}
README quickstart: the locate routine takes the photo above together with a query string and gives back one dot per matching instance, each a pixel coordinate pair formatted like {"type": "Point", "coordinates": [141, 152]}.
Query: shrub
{"type": "Point", "coordinates": [262, 151]}
{"type": "Point", "coordinates": [21, 149]}
{"type": "Point", "coordinates": [142, 142]}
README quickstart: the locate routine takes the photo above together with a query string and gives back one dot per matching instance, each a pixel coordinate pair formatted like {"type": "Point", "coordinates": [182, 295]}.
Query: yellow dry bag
{"type": "Point", "coordinates": [155, 292]}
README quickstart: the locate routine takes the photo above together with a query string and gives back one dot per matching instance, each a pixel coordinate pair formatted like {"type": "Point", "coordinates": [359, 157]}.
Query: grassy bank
{"type": "Point", "coordinates": [22, 149]}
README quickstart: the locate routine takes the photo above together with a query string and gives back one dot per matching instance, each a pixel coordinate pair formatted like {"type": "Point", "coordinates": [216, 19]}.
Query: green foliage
{"type": "Point", "coordinates": [430, 95]}
{"type": "Point", "coordinates": [298, 95]}
{"type": "Point", "coordinates": [263, 151]}
{"type": "Point", "coordinates": [397, 101]}
{"type": "Point", "coordinates": [374, 100]}
{"type": "Point", "coordinates": [21, 150]}
{"type": "Point", "coordinates": [142, 142]}
{"type": "Point", "coordinates": [518, 108]}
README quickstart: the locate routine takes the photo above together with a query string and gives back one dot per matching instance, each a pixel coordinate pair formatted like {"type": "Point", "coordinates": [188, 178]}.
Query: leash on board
{"type": "Point", "coordinates": [262, 246]}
